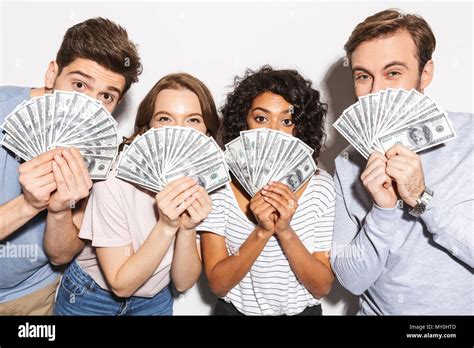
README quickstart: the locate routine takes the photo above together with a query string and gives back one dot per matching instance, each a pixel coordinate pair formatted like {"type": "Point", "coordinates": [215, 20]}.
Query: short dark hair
{"type": "Point", "coordinates": [104, 42]}
{"type": "Point", "coordinates": [388, 22]}
{"type": "Point", "coordinates": [308, 110]}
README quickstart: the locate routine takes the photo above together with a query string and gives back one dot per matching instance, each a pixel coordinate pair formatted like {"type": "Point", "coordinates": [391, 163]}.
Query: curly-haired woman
{"type": "Point", "coordinates": [268, 254]}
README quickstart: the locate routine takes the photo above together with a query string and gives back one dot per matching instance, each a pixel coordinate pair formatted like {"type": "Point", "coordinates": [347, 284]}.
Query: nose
{"type": "Point", "coordinates": [180, 122]}
{"type": "Point", "coordinates": [376, 86]}
{"type": "Point", "coordinates": [275, 124]}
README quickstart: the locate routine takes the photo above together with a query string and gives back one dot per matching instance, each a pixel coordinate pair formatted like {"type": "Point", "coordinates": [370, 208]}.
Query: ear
{"type": "Point", "coordinates": [427, 74]}
{"type": "Point", "coordinates": [51, 75]}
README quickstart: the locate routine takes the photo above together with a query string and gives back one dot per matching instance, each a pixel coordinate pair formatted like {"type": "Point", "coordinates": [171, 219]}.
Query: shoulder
{"type": "Point", "coordinates": [12, 92]}
{"type": "Point", "coordinates": [323, 186]}
{"type": "Point", "coordinates": [10, 97]}
{"type": "Point", "coordinates": [463, 122]}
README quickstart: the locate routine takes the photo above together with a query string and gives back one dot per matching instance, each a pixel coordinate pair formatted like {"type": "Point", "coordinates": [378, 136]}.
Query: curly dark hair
{"type": "Point", "coordinates": [309, 111]}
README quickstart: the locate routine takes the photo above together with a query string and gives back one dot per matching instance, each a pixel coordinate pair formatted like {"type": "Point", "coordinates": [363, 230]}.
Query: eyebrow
{"type": "Point", "coordinates": [388, 65]}
{"type": "Point", "coordinates": [90, 78]}
{"type": "Point", "coordinates": [287, 111]}
{"type": "Point", "coordinates": [167, 113]}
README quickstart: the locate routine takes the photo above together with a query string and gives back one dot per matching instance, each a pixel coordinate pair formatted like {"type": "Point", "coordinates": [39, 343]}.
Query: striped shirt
{"type": "Point", "coordinates": [270, 287]}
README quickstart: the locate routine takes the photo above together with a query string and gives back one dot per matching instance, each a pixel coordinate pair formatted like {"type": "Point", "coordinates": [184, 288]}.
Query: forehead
{"type": "Point", "coordinates": [270, 101]}
{"type": "Point", "coordinates": [179, 100]}
{"type": "Point", "coordinates": [100, 75]}
{"type": "Point", "coordinates": [376, 53]}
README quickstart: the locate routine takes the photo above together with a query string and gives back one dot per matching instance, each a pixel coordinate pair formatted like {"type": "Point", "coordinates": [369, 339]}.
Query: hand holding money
{"type": "Point", "coordinates": [404, 167]}
{"type": "Point", "coordinates": [284, 201]}
{"type": "Point", "coordinates": [72, 178]}
{"type": "Point", "coordinates": [378, 183]}
{"type": "Point", "coordinates": [200, 208]}
{"type": "Point", "coordinates": [174, 200]}
{"type": "Point", "coordinates": [264, 212]}
{"type": "Point", "coordinates": [37, 180]}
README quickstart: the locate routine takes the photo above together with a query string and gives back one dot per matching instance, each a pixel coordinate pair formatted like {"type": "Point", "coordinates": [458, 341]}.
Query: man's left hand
{"type": "Point", "coordinates": [405, 168]}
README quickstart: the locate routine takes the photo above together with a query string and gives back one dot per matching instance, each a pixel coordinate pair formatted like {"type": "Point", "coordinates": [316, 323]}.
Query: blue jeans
{"type": "Point", "coordinates": [79, 294]}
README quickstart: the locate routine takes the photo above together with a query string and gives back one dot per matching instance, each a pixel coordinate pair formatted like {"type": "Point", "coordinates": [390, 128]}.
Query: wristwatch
{"type": "Point", "coordinates": [422, 202]}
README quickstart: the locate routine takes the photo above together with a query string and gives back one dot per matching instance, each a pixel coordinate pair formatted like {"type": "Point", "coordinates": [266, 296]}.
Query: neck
{"type": "Point", "coordinates": [38, 92]}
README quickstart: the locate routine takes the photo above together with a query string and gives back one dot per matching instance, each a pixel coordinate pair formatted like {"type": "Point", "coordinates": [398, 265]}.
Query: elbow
{"type": "Point", "coordinates": [122, 292]}
{"type": "Point", "coordinates": [59, 260]}
{"type": "Point", "coordinates": [350, 278]}
{"type": "Point", "coordinates": [182, 286]}
{"type": "Point", "coordinates": [354, 287]}
{"type": "Point", "coordinates": [184, 282]}
{"type": "Point", "coordinates": [322, 290]}
{"type": "Point", "coordinates": [219, 289]}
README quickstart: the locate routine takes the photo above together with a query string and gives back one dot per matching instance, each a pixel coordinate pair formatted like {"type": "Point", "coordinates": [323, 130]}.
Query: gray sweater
{"type": "Point", "coordinates": [400, 264]}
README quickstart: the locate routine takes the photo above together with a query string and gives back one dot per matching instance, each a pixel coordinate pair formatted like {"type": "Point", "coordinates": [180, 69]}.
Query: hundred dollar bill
{"type": "Point", "coordinates": [300, 173]}
{"type": "Point", "coordinates": [98, 166]}
{"type": "Point", "coordinates": [210, 178]}
{"type": "Point", "coordinates": [13, 145]}
{"type": "Point", "coordinates": [422, 135]}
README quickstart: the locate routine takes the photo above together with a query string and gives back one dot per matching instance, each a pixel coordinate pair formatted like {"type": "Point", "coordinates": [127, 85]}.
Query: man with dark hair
{"type": "Point", "coordinates": [37, 209]}
{"type": "Point", "coordinates": [404, 221]}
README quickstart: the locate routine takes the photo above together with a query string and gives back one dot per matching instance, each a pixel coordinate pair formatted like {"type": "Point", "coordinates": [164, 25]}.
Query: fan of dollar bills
{"type": "Point", "coordinates": [164, 154]}
{"type": "Point", "coordinates": [394, 116]}
{"type": "Point", "coordinates": [63, 119]}
{"type": "Point", "coordinates": [262, 155]}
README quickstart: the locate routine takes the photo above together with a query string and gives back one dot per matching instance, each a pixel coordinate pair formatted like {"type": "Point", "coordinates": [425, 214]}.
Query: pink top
{"type": "Point", "coordinates": [118, 214]}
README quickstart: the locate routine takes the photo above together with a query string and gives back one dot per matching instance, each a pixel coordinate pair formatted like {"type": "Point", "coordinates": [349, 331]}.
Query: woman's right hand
{"type": "Point", "coordinates": [175, 198]}
{"type": "Point", "coordinates": [264, 213]}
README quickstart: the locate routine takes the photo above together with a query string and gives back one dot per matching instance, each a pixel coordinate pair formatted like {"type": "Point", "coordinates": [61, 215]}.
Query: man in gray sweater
{"type": "Point", "coordinates": [403, 236]}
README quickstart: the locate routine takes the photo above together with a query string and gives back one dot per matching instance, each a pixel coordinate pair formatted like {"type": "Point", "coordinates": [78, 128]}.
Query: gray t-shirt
{"type": "Point", "coordinates": [400, 264]}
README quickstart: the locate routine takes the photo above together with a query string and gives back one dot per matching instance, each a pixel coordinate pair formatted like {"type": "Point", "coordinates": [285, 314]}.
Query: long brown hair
{"type": "Point", "coordinates": [176, 81]}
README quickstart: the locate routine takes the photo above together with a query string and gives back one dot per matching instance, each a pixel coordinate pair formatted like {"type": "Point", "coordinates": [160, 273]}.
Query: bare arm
{"type": "Point", "coordinates": [313, 270]}
{"type": "Point", "coordinates": [15, 214]}
{"type": "Point", "coordinates": [66, 207]}
{"type": "Point", "coordinates": [223, 271]}
{"type": "Point", "coordinates": [37, 182]}
{"type": "Point", "coordinates": [126, 270]}
{"type": "Point", "coordinates": [187, 266]}
{"type": "Point", "coordinates": [61, 239]}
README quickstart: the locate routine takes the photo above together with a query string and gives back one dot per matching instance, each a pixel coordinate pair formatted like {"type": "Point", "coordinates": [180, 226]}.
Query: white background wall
{"type": "Point", "coordinates": [216, 41]}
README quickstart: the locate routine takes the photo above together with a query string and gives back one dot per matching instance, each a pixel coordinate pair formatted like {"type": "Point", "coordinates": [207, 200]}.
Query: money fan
{"type": "Point", "coordinates": [394, 116]}
{"type": "Point", "coordinates": [162, 155]}
{"type": "Point", "coordinates": [63, 119]}
{"type": "Point", "coordinates": [262, 155]}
